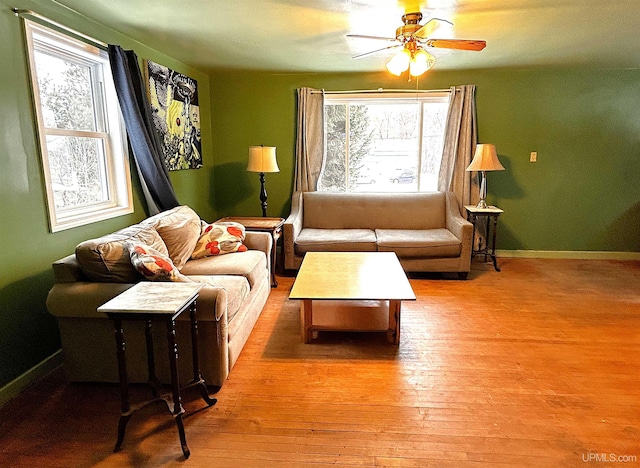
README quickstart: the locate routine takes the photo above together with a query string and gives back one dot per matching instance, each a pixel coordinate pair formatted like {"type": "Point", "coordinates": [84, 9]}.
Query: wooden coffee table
{"type": "Point", "coordinates": [351, 291]}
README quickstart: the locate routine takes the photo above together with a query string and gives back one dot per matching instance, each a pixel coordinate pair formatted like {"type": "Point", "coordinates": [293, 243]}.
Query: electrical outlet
{"type": "Point", "coordinates": [533, 157]}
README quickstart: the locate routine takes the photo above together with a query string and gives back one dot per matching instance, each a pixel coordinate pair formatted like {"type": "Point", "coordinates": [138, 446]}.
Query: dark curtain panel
{"type": "Point", "coordinates": [143, 139]}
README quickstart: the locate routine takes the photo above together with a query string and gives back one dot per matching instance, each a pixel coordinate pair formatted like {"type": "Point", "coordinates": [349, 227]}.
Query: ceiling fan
{"type": "Point", "coordinates": [413, 38]}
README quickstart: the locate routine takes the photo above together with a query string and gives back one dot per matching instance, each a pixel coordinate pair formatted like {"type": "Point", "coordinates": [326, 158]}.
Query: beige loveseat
{"type": "Point", "coordinates": [237, 287]}
{"type": "Point", "coordinates": [425, 230]}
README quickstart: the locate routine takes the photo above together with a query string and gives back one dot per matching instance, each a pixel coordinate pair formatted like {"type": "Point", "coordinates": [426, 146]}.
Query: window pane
{"type": "Point", "coordinates": [384, 144]}
{"type": "Point", "coordinates": [434, 120]}
{"type": "Point", "coordinates": [77, 169]}
{"type": "Point", "coordinates": [84, 157]}
{"type": "Point", "coordinates": [333, 174]}
{"type": "Point", "coordinates": [361, 141]}
{"type": "Point", "coordinates": [395, 146]}
{"type": "Point", "coordinates": [65, 93]}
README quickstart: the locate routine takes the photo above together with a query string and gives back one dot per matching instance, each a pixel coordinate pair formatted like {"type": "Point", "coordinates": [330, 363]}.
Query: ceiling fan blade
{"type": "Point", "coordinates": [379, 38]}
{"type": "Point", "coordinates": [376, 51]}
{"type": "Point", "coordinates": [461, 44]}
{"type": "Point", "coordinates": [427, 29]}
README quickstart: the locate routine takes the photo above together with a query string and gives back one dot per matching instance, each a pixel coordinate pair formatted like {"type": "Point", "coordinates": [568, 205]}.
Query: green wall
{"type": "Point", "coordinates": [582, 194]}
{"type": "Point", "coordinates": [28, 334]}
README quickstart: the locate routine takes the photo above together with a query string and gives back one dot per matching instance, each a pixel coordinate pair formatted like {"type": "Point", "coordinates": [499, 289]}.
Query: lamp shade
{"type": "Point", "coordinates": [262, 159]}
{"type": "Point", "coordinates": [421, 62]}
{"type": "Point", "coordinates": [399, 63]}
{"type": "Point", "coordinates": [485, 159]}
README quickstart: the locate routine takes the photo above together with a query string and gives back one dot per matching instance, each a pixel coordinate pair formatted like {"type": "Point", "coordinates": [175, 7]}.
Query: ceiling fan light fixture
{"type": "Point", "coordinates": [399, 63]}
{"type": "Point", "coordinates": [413, 38]}
{"type": "Point", "coordinates": [421, 62]}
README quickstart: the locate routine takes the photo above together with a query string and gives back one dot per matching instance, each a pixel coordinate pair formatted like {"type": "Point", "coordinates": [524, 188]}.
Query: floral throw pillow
{"type": "Point", "coordinates": [153, 265]}
{"type": "Point", "coordinates": [219, 239]}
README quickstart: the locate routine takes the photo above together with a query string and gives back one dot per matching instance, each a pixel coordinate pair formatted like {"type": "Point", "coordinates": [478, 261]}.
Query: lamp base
{"type": "Point", "coordinates": [482, 204]}
{"type": "Point", "coordinates": [263, 196]}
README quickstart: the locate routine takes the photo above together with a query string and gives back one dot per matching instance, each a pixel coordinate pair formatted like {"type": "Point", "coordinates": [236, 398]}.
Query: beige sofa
{"type": "Point", "coordinates": [237, 287]}
{"type": "Point", "coordinates": [425, 230]}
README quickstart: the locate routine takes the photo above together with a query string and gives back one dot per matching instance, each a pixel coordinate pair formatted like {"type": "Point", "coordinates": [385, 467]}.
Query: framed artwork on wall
{"type": "Point", "coordinates": [176, 115]}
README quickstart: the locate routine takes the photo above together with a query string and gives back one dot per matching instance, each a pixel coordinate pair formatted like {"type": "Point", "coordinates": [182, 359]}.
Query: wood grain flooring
{"type": "Point", "coordinates": [537, 365]}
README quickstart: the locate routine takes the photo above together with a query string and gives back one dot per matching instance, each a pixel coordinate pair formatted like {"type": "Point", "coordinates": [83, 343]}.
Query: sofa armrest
{"type": "Point", "coordinates": [256, 240]}
{"type": "Point", "coordinates": [82, 298]}
{"type": "Point", "coordinates": [292, 228]}
{"type": "Point", "coordinates": [67, 270]}
{"type": "Point", "coordinates": [459, 227]}
{"type": "Point", "coordinates": [212, 302]}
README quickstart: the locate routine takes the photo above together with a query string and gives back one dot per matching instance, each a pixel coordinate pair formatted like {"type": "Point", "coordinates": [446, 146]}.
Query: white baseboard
{"type": "Point", "coordinates": [13, 388]}
{"type": "Point", "coordinates": [569, 254]}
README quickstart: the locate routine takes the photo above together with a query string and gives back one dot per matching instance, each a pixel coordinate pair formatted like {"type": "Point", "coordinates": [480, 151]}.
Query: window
{"type": "Point", "coordinates": [383, 143]}
{"type": "Point", "coordinates": [84, 158]}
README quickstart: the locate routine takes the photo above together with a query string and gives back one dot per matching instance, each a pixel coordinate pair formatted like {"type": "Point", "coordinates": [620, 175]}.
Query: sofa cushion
{"type": "Point", "coordinates": [219, 239]}
{"type": "Point", "coordinates": [106, 259]}
{"type": "Point", "coordinates": [419, 243]}
{"type": "Point", "coordinates": [180, 229]}
{"type": "Point", "coordinates": [330, 210]}
{"type": "Point", "coordinates": [335, 240]}
{"type": "Point", "coordinates": [154, 266]}
{"type": "Point", "coordinates": [251, 264]}
{"type": "Point", "coordinates": [237, 288]}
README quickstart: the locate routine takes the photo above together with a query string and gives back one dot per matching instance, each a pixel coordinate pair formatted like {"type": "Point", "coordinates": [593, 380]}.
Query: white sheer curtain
{"type": "Point", "coordinates": [460, 139]}
{"type": "Point", "coordinates": [309, 139]}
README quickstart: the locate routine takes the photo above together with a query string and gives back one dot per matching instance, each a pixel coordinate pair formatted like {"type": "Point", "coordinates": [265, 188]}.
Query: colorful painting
{"type": "Point", "coordinates": [176, 116]}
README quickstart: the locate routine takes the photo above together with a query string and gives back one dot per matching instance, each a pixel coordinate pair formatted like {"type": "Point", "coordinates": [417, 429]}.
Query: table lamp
{"type": "Point", "coordinates": [262, 159]}
{"type": "Point", "coordinates": [485, 159]}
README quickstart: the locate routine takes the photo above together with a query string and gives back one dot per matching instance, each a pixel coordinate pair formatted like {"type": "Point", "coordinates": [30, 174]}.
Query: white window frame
{"type": "Point", "coordinates": [110, 129]}
{"type": "Point", "coordinates": [375, 98]}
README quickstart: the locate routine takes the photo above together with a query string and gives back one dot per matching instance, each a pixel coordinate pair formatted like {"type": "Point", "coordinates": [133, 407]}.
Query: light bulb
{"type": "Point", "coordinates": [399, 62]}
{"type": "Point", "coordinates": [421, 62]}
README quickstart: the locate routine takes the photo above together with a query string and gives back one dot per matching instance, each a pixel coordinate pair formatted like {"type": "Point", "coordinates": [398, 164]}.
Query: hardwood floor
{"type": "Point", "coordinates": [537, 365]}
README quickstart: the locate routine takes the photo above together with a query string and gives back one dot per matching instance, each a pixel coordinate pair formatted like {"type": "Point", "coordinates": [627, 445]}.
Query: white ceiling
{"type": "Point", "coordinates": [310, 35]}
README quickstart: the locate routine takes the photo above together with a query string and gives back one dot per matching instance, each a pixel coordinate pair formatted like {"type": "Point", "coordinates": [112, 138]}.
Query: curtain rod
{"type": "Point", "coordinates": [49, 22]}
{"type": "Point", "coordinates": [381, 90]}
